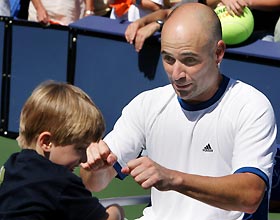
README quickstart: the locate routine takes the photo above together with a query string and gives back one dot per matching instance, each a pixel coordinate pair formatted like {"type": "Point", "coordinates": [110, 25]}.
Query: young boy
{"type": "Point", "coordinates": [57, 124]}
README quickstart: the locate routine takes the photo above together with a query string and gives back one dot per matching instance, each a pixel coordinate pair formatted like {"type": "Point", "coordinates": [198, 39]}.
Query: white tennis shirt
{"type": "Point", "coordinates": [232, 132]}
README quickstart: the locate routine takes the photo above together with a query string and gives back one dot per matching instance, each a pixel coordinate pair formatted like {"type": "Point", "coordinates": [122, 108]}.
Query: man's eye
{"type": "Point", "coordinates": [189, 61]}
{"type": "Point", "coordinates": [169, 59]}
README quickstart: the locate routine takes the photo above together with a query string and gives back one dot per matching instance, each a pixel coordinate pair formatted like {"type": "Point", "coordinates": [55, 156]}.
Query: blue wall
{"type": "Point", "coordinates": [94, 55]}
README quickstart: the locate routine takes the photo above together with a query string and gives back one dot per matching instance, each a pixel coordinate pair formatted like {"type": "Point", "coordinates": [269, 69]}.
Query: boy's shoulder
{"type": "Point", "coordinates": [29, 166]}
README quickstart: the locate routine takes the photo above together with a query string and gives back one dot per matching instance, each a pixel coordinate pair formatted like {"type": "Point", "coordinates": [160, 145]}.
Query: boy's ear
{"type": "Point", "coordinates": [43, 141]}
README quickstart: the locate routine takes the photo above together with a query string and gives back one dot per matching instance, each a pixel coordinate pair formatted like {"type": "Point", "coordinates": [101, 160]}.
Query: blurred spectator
{"type": "Point", "coordinates": [139, 30]}
{"type": "Point", "coordinates": [5, 8]}
{"type": "Point", "coordinates": [14, 7]}
{"type": "Point", "coordinates": [277, 31]}
{"type": "Point", "coordinates": [265, 12]}
{"type": "Point", "coordinates": [99, 7]}
{"type": "Point", "coordinates": [61, 12]}
{"type": "Point", "coordinates": [19, 8]}
{"type": "Point", "coordinates": [23, 9]}
{"type": "Point", "coordinates": [131, 10]}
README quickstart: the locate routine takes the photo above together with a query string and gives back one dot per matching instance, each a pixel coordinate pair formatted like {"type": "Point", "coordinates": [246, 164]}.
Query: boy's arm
{"type": "Point", "coordinates": [97, 180]}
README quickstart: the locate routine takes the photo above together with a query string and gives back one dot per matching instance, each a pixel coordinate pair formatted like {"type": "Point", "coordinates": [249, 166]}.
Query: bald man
{"type": "Point", "coordinates": [209, 139]}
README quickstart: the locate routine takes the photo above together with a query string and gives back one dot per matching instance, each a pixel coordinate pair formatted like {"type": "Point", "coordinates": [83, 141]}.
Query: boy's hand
{"type": "Point", "coordinates": [99, 156]}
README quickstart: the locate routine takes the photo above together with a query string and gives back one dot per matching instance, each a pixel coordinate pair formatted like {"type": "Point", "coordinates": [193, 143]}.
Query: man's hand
{"type": "Point", "coordinates": [148, 173]}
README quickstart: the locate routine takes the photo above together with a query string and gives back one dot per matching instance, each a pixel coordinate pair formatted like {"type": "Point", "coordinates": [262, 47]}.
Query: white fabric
{"type": "Point", "coordinates": [277, 31]}
{"type": "Point", "coordinates": [240, 129]}
{"type": "Point", "coordinates": [61, 11]}
{"type": "Point", "coordinates": [5, 8]}
{"type": "Point", "coordinates": [134, 12]}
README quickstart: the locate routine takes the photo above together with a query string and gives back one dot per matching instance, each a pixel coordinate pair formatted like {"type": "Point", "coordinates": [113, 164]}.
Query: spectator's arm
{"type": "Point", "coordinates": [89, 7]}
{"type": "Point", "coordinates": [148, 4]}
{"type": "Point", "coordinates": [264, 5]}
{"type": "Point", "coordinates": [42, 14]}
{"type": "Point", "coordinates": [144, 27]}
{"type": "Point", "coordinates": [269, 5]}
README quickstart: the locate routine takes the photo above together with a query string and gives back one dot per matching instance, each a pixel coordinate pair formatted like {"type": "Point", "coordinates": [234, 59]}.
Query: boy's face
{"type": "Point", "coordinates": [69, 156]}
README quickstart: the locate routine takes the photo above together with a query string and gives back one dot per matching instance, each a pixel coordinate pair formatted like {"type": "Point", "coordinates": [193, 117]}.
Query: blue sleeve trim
{"type": "Point", "coordinates": [262, 211]}
{"type": "Point", "coordinates": [256, 171]}
{"type": "Point", "coordinates": [118, 168]}
{"type": "Point", "coordinates": [247, 216]}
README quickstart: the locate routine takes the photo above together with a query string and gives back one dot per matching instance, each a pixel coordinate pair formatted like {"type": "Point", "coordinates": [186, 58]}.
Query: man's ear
{"type": "Point", "coordinates": [43, 141]}
{"type": "Point", "coordinates": [220, 51]}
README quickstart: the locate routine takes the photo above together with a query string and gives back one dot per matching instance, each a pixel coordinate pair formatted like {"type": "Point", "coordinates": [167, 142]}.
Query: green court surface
{"type": "Point", "coordinates": [274, 216]}
{"type": "Point", "coordinates": [117, 188]}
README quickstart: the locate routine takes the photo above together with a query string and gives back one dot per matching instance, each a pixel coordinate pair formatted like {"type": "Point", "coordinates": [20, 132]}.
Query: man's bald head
{"type": "Point", "coordinates": [197, 18]}
{"type": "Point", "coordinates": [191, 49]}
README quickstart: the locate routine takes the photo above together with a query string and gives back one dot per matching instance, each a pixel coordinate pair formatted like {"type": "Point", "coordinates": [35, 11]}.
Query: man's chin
{"type": "Point", "coordinates": [183, 95]}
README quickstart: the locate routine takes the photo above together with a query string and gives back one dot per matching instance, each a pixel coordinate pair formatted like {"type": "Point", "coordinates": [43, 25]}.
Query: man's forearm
{"type": "Point", "coordinates": [239, 192]}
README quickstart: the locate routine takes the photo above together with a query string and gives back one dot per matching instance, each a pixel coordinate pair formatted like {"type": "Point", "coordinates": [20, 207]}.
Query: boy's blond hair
{"type": "Point", "coordinates": [65, 111]}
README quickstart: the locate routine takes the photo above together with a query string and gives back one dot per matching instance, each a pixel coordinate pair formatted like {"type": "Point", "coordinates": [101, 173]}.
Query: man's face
{"type": "Point", "coordinates": [190, 63]}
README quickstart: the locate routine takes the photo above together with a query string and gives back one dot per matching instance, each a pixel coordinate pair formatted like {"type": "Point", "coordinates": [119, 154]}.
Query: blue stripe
{"type": "Point", "coordinates": [209, 102]}
{"type": "Point", "coordinates": [118, 168]}
{"type": "Point", "coordinates": [262, 211]}
{"type": "Point", "coordinates": [256, 171]}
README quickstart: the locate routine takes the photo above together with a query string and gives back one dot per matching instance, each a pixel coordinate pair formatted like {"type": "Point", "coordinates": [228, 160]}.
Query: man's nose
{"type": "Point", "coordinates": [178, 71]}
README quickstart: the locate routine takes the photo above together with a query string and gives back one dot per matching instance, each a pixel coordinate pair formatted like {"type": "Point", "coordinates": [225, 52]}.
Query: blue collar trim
{"type": "Point", "coordinates": [208, 103]}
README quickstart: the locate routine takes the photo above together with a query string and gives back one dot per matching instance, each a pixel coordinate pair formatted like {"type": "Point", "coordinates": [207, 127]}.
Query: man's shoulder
{"type": "Point", "coordinates": [150, 102]}
{"type": "Point", "coordinates": [156, 96]}
{"type": "Point", "coordinates": [159, 91]}
{"type": "Point", "coordinates": [243, 94]}
{"type": "Point", "coordinates": [244, 90]}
